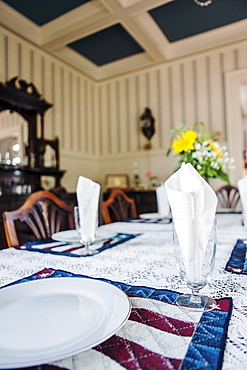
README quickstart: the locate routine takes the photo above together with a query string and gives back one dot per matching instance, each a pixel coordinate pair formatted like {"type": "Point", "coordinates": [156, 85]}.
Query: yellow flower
{"type": "Point", "coordinates": [185, 143]}
{"type": "Point", "coordinates": [213, 147]}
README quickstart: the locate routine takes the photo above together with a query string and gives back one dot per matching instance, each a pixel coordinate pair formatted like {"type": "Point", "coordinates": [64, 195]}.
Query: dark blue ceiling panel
{"type": "Point", "coordinates": [184, 18]}
{"type": "Point", "coordinates": [107, 46]}
{"type": "Point", "coordinates": [44, 11]}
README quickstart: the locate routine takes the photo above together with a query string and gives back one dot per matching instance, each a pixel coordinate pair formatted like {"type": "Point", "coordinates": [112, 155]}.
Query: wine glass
{"type": "Point", "coordinates": [80, 228]}
{"type": "Point", "coordinates": [195, 247]}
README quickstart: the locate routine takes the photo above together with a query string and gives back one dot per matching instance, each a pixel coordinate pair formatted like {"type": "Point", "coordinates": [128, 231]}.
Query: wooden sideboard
{"type": "Point", "coordinates": [145, 200]}
{"type": "Point", "coordinates": [24, 180]}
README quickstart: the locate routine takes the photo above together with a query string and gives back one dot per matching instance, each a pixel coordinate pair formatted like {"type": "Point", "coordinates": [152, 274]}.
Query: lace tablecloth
{"type": "Point", "coordinates": [148, 260]}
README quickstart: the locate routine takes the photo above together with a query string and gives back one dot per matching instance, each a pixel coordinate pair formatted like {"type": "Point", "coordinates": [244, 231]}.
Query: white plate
{"type": "Point", "coordinates": [71, 236]}
{"type": "Point", "coordinates": [50, 319]}
{"type": "Point", "coordinates": [152, 216]}
{"type": "Point", "coordinates": [67, 236]}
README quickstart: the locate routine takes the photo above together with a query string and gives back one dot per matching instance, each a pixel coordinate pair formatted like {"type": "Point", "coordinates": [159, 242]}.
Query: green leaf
{"type": "Point", "coordinates": [223, 176]}
{"type": "Point", "coordinates": [211, 172]}
{"type": "Point", "coordinates": [168, 151]}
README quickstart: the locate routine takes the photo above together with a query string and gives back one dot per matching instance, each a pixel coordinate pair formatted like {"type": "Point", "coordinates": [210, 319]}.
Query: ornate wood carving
{"type": "Point", "coordinates": [17, 95]}
{"type": "Point", "coordinates": [22, 97]}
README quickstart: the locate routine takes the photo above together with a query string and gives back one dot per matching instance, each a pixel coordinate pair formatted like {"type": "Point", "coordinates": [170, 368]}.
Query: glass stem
{"type": "Point", "coordinates": [86, 246]}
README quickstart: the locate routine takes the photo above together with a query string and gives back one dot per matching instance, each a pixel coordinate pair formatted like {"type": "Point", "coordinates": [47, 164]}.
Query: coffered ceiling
{"type": "Point", "coordinates": [106, 38]}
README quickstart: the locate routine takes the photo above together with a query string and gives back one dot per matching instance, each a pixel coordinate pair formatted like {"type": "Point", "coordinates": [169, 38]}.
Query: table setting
{"type": "Point", "coordinates": [154, 332]}
{"type": "Point", "coordinates": [163, 216]}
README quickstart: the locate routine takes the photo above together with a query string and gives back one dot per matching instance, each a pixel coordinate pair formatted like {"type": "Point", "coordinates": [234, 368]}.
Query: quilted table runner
{"type": "Point", "coordinates": [50, 246]}
{"type": "Point", "coordinates": [157, 335]}
{"type": "Point", "coordinates": [238, 259]}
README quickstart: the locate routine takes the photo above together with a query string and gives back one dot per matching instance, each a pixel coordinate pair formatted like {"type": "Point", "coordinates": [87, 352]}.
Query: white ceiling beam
{"type": "Point", "coordinates": [126, 65]}
{"type": "Point", "coordinates": [209, 40]}
{"type": "Point", "coordinates": [141, 26]}
{"type": "Point", "coordinates": [100, 15]}
{"type": "Point", "coordinates": [74, 25]}
{"type": "Point", "coordinates": [76, 60]}
{"type": "Point", "coordinates": [16, 22]}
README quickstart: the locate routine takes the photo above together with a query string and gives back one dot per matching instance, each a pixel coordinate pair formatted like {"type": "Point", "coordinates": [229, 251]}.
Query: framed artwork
{"type": "Point", "coordinates": [117, 181]}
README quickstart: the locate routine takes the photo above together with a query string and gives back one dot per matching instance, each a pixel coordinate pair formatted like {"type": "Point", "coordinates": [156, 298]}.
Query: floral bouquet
{"type": "Point", "coordinates": [202, 151]}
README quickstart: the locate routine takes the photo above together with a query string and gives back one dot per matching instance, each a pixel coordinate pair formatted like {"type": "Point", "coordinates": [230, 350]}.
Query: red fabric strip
{"type": "Point", "coordinates": [161, 322]}
{"type": "Point", "coordinates": [132, 356]}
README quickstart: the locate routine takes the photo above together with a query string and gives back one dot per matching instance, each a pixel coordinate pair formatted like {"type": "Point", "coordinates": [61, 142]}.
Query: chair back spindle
{"type": "Point", "coordinates": [228, 197]}
{"type": "Point", "coordinates": [119, 207]}
{"type": "Point", "coordinates": [41, 215]}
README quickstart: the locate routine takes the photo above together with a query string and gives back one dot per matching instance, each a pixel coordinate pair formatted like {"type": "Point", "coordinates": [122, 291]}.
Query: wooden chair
{"type": "Point", "coordinates": [119, 207]}
{"type": "Point", "coordinates": [228, 197]}
{"type": "Point", "coordinates": [39, 217]}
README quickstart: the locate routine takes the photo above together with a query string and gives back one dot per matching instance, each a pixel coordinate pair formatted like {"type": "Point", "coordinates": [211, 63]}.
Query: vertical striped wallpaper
{"type": "Point", "coordinates": [101, 120]}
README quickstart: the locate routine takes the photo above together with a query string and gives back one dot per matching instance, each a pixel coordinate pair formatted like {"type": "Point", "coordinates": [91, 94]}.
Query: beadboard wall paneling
{"type": "Point", "coordinates": [25, 62]}
{"type": "Point", "coordinates": [176, 91]}
{"type": "Point", "coordinates": [154, 104]}
{"type": "Point", "coordinates": [2, 53]}
{"type": "Point", "coordinates": [91, 120]}
{"type": "Point", "coordinates": [216, 94]}
{"type": "Point", "coordinates": [242, 57]}
{"type": "Point", "coordinates": [203, 99]}
{"type": "Point", "coordinates": [133, 131]}
{"type": "Point", "coordinates": [11, 48]}
{"type": "Point", "coordinates": [48, 93]}
{"type": "Point", "coordinates": [142, 97]}
{"type": "Point", "coordinates": [189, 95]}
{"type": "Point", "coordinates": [113, 118]}
{"type": "Point", "coordinates": [123, 117]}
{"type": "Point", "coordinates": [165, 123]}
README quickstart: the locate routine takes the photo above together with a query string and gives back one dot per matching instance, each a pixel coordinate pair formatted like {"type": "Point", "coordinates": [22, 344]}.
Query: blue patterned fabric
{"type": "Point", "coordinates": [207, 344]}
{"type": "Point", "coordinates": [69, 250]}
{"type": "Point", "coordinates": [164, 220]}
{"type": "Point", "coordinates": [238, 260]}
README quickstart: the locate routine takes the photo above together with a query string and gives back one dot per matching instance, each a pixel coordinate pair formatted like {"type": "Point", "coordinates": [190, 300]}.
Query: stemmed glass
{"type": "Point", "coordinates": [81, 231]}
{"type": "Point", "coordinates": [195, 247]}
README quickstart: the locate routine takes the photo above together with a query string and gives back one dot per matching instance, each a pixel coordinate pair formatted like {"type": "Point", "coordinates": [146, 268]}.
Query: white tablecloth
{"type": "Point", "coordinates": [148, 260]}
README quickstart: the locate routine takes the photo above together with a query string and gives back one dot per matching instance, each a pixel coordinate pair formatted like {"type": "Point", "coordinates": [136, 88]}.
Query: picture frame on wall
{"type": "Point", "coordinates": [117, 181]}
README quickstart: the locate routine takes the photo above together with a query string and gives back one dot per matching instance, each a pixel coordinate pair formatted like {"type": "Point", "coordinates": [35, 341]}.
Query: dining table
{"type": "Point", "coordinates": [138, 257]}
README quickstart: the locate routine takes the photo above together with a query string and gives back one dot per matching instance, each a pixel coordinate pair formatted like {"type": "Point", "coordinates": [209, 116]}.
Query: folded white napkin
{"type": "Point", "coordinates": [87, 192]}
{"type": "Point", "coordinates": [242, 187]}
{"type": "Point", "coordinates": [193, 203]}
{"type": "Point", "coordinates": [162, 201]}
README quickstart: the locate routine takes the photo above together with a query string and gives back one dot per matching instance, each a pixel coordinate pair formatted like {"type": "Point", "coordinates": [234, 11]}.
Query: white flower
{"type": "Point", "coordinates": [197, 146]}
